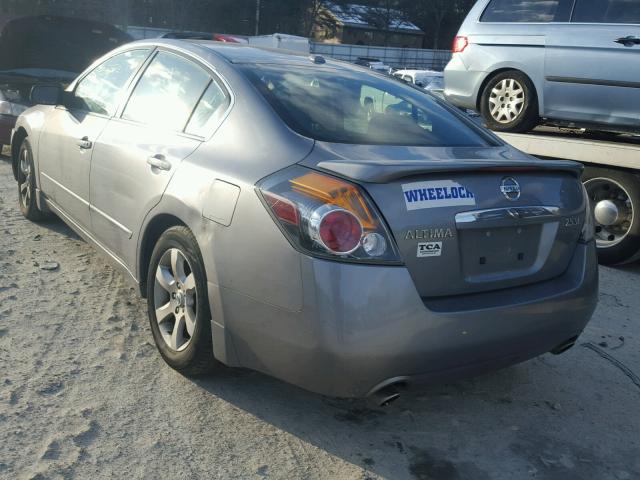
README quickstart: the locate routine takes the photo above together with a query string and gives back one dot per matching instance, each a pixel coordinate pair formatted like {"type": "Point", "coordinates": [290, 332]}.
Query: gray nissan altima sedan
{"type": "Point", "coordinates": [308, 218]}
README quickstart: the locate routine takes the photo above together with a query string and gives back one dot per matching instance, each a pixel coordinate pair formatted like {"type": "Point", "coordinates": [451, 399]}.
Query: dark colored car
{"type": "Point", "coordinates": [188, 36]}
{"type": "Point", "coordinates": [374, 64]}
{"type": "Point", "coordinates": [45, 50]}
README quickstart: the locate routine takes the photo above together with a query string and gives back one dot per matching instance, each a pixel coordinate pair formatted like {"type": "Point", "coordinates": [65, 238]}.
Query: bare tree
{"type": "Point", "coordinates": [433, 16]}
{"type": "Point", "coordinates": [383, 15]}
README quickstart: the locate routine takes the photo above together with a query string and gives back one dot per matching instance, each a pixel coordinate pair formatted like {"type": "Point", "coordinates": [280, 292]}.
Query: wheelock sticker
{"type": "Point", "coordinates": [443, 193]}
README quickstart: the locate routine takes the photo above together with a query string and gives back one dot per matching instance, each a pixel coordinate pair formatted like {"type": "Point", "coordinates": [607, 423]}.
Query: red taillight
{"type": "Point", "coordinates": [459, 44]}
{"type": "Point", "coordinates": [338, 230]}
{"type": "Point", "coordinates": [282, 208]}
{"type": "Point", "coordinates": [327, 217]}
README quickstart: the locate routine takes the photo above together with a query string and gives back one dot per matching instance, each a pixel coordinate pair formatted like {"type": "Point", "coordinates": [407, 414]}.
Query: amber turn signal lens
{"type": "Point", "coordinates": [333, 191]}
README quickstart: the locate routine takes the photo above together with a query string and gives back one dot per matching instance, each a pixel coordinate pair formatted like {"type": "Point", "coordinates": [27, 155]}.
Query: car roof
{"type": "Point", "coordinates": [238, 53]}
{"type": "Point", "coordinates": [235, 52]}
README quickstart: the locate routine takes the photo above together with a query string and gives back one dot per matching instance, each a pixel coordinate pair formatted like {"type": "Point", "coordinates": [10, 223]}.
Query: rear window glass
{"type": "Point", "coordinates": [343, 106]}
{"type": "Point", "coordinates": [607, 11]}
{"type": "Point", "coordinates": [528, 11]}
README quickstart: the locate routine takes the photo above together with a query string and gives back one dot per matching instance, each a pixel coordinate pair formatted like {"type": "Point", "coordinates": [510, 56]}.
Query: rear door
{"type": "Point", "coordinates": [66, 144]}
{"type": "Point", "coordinates": [172, 109]}
{"type": "Point", "coordinates": [592, 65]}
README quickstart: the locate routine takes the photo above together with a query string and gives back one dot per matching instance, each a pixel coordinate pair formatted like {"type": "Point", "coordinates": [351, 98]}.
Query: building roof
{"type": "Point", "coordinates": [354, 15]}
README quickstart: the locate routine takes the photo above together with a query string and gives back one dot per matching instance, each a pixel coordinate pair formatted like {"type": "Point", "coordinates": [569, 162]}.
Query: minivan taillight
{"type": "Point", "coordinates": [326, 216]}
{"type": "Point", "coordinates": [459, 44]}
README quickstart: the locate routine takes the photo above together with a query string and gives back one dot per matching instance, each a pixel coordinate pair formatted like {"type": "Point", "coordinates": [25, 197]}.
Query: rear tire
{"type": "Point", "coordinates": [617, 231]}
{"type": "Point", "coordinates": [509, 103]}
{"type": "Point", "coordinates": [27, 184]}
{"type": "Point", "coordinates": [178, 303]}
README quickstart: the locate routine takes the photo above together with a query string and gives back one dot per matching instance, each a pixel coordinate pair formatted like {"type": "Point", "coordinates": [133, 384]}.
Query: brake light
{"type": "Point", "coordinates": [459, 44]}
{"type": "Point", "coordinates": [326, 216]}
{"type": "Point", "coordinates": [339, 231]}
{"type": "Point", "coordinates": [283, 209]}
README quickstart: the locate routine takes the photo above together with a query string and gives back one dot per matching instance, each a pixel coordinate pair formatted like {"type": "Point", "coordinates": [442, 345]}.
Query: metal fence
{"type": "Point", "coordinates": [417, 58]}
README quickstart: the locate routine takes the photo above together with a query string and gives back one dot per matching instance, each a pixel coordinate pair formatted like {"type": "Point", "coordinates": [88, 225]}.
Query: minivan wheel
{"type": "Point", "coordinates": [27, 184]}
{"type": "Point", "coordinates": [509, 103]}
{"type": "Point", "coordinates": [615, 200]}
{"type": "Point", "coordinates": [178, 304]}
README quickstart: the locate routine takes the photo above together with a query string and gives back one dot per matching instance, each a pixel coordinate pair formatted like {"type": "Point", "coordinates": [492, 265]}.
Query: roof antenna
{"type": "Point", "coordinates": [317, 59]}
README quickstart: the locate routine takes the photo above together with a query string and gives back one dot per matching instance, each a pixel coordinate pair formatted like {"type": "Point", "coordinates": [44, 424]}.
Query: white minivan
{"type": "Point", "coordinates": [565, 62]}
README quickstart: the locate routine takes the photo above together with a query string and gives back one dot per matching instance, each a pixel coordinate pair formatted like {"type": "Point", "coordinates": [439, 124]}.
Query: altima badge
{"type": "Point", "coordinates": [429, 234]}
{"type": "Point", "coordinates": [510, 188]}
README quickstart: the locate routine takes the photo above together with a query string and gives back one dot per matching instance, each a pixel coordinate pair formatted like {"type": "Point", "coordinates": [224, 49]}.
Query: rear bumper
{"type": "Point", "coordinates": [462, 86]}
{"type": "Point", "coordinates": [362, 326]}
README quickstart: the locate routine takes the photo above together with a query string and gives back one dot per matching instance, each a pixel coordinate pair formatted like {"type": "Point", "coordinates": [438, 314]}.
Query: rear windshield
{"type": "Point", "coordinates": [343, 106]}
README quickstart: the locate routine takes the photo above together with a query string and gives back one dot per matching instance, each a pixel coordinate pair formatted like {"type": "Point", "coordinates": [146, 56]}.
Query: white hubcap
{"type": "Point", "coordinates": [506, 101]}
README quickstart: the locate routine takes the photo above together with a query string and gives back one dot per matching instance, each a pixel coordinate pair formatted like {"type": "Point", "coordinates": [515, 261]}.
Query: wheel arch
{"type": "Point", "coordinates": [16, 142]}
{"type": "Point", "coordinates": [154, 229]}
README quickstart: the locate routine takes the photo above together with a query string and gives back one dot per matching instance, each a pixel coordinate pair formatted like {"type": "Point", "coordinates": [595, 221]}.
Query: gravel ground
{"type": "Point", "coordinates": [84, 394]}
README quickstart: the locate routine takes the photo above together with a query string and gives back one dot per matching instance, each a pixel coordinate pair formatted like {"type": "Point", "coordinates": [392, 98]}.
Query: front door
{"type": "Point", "coordinates": [71, 132]}
{"type": "Point", "coordinates": [592, 71]}
{"type": "Point", "coordinates": [65, 160]}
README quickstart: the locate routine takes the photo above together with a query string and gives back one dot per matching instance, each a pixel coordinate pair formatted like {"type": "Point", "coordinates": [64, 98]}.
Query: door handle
{"type": "Point", "coordinates": [160, 162]}
{"type": "Point", "coordinates": [84, 143]}
{"type": "Point", "coordinates": [629, 41]}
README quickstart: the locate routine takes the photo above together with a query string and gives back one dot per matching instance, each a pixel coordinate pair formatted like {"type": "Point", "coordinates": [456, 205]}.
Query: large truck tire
{"type": "Point", "coordinates": [615, 200]}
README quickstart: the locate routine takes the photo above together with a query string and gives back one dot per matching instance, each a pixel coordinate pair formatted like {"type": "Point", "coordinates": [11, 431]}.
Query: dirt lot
{"type": "Point", "coordinates": [83, 393]}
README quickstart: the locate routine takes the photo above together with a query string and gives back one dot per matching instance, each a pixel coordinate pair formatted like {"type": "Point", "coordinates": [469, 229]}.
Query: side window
{"type": "Point", "coordinates": [101, 90]}
{"type": "Point", "coordinates": [527, 11]}
{"type": "Point", "coordinates": [167, 92]}
{"type": "Point", "coordinates": [209, 111]}
{"type": "Point", "coordinates": [407, 78]}
{"type": "Point", "coordinates": [607, 11]}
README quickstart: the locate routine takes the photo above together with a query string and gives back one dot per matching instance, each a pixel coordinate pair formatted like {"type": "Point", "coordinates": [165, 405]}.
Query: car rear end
{"type": "Point", "coordinates": [423, 261]}
{"type": "Point", "coordinates": [468, 67]}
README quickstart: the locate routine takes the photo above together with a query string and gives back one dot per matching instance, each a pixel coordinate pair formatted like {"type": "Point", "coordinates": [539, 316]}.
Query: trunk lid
{"type": "Point", "coordinates": [468, 219]}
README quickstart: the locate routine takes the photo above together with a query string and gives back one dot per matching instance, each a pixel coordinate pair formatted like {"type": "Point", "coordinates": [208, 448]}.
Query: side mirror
{"type": "Point", "coordinates": [46, 95]}
{"type": "Point", "coordinates": [420, 84]}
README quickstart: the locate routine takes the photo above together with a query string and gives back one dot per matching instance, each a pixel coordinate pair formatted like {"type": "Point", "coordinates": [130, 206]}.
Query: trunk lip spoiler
{"type": "Point", "coordinates": [388, 171]}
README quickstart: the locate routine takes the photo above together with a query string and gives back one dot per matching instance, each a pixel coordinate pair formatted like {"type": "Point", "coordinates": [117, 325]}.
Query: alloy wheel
{"type": "Point", "coordinates": [26, 184]}
{"type": "Point", "coordinates": [175, 299]}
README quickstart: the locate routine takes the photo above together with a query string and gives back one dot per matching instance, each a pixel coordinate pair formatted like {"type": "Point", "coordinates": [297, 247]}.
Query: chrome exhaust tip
{"type": "Point", "coordinates": [564, 346]}
{"type": "Point", "coordinates": [387, 392]}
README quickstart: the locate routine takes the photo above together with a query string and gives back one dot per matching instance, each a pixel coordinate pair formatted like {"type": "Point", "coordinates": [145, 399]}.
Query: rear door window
{"type": "Point", "coordinates": [167, 93]}
{"type": "Point", "coordinates": [527, 11]}
{"type": "Point", "coordinates": [607, 11]}
{"type": "Point", "coordinates": [210, 110]}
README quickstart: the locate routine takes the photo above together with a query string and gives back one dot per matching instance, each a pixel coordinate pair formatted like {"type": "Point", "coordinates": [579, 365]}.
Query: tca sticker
{"type": "Point", "coordinates": [429, 249]}
{"type": "Point", "coordinates": [443, 193]}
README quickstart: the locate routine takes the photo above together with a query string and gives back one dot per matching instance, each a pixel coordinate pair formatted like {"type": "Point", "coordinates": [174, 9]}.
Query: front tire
{"type": "Point", "coordinates": [615, 199]}
{"type": "Point", "coordinates": [27, 184]}
{"type": "Point", "coordinates": [509, 103]}
{"type": "Point", "coordinates": [178, 303]}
